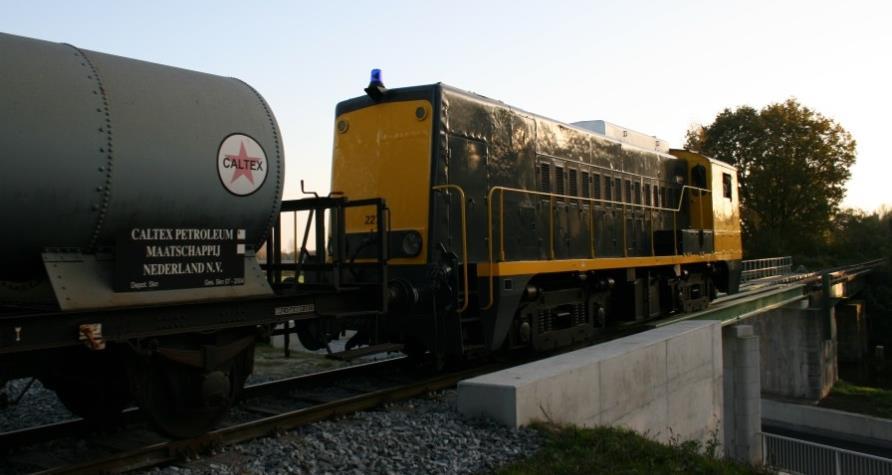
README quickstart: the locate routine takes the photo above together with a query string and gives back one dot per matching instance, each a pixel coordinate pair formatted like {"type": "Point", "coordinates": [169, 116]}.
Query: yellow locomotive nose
{"type": "Point", "coordinates": [383, 150]}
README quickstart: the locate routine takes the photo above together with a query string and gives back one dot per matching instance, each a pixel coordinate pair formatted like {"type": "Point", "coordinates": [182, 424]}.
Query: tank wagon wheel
{"type": "Point", "coordinates": [99, 402]}
{"type": "Point", "coordinates": [310, 335]}
{"type": "Point", "coordinates": [185, 401]}
{"type": "Point", "coordinates": [92, 385]}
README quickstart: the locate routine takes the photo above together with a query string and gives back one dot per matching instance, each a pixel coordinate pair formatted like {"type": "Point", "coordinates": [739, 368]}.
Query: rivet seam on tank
{"type": "Point", "coordinates": [276, 142]}
{"type": "Point", "coordinates": [105, 151]}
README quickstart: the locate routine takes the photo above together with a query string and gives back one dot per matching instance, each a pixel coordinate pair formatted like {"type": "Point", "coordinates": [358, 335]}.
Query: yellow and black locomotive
{"type": "Point", "coordinates": [508, 229]}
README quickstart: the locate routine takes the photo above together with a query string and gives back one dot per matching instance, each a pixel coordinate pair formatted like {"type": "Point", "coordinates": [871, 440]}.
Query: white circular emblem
{"type": "Point", "coordinates": [241, 164]}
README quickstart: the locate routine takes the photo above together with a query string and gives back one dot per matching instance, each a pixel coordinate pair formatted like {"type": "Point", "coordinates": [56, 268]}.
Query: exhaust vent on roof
{"type": "Point", "coordinates": [631, 137]}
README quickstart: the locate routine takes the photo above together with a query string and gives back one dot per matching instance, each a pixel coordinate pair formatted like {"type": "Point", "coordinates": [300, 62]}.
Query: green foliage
{"type": "Point", "coordinates": [571, 450]}
{"type": "Point", "coordinates": [857, 236]}
{"type": "Point", "coordinates": [792, 165]}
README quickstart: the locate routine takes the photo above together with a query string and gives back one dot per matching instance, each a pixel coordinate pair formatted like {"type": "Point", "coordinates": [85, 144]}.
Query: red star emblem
{"type": "Point", "coordinates": [243, 164]}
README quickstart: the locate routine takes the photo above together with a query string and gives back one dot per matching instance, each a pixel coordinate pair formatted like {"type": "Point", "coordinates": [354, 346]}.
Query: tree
{"type": "Point", "coordinates": [792, 165]}
{"type": "Point", "coordinates": [858, 236]}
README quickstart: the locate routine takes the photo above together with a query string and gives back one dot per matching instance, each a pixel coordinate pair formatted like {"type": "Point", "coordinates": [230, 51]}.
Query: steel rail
{"type": "Point", "coordinates": [171, 451]}
{"type": "Point", "coordinates": [774, 295]}
{"type": "Point", "coordinates": [837, 274]}
{"type": "Point", "coordinates": [737, 307]}
{"type": "Point", "coordinates": [78, 427]}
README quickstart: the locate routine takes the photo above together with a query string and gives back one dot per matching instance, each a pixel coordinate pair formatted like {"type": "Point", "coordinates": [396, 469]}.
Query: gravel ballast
{"type": "Point", "coordinates": [41, 406]}
{"type": "Point", "coordinates": [418, 436]}
{"type": "Point", "coordinates": [38, 406]}
{"type": "Point", "coordinates": [424, 435]}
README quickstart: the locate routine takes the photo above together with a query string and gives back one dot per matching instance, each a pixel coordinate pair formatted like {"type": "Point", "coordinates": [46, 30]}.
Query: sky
{"type": "Point", "coordinates": [655, 67]}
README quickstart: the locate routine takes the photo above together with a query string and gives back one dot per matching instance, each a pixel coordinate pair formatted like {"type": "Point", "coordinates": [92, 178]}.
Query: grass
{"type": "Point", "coordinates": [571, 450]}
{"type": "Point", "coordinates": [861, 399]}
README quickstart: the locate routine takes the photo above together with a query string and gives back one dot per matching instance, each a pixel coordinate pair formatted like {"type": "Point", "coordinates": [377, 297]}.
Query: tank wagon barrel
{"type": "Point", "coordinates": [97, 145]}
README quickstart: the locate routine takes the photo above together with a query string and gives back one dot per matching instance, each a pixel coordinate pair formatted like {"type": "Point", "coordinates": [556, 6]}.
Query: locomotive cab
{"type": "Point", "coordinates": [714, 215]}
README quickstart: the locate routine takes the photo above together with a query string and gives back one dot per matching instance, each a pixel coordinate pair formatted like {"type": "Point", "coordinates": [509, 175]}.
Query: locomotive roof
{"type": "Point", "coordinates": [430, 91]}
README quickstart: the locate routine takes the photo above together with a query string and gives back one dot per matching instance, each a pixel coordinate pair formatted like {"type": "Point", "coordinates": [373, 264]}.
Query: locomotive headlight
{"type": "Point", "coordinates": [411, 244]}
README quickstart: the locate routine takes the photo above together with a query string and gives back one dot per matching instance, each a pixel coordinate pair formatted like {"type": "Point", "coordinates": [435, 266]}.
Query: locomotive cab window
{"type": "Point", "coordinates": [726, 185]}
{"type": "Point", "coordinates": [698, 176]}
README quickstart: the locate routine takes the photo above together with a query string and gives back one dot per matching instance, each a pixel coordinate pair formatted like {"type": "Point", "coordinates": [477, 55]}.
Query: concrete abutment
{"type": "Point", "coordinates": [692, 380]}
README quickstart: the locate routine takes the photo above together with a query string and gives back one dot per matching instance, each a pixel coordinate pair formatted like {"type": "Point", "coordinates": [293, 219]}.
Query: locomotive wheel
{"type": "Point", "coordinates": [184, 401]}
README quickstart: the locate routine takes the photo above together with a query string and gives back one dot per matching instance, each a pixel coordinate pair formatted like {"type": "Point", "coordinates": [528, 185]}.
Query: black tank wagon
{"type": "Point", "coordinates": [135, 198]}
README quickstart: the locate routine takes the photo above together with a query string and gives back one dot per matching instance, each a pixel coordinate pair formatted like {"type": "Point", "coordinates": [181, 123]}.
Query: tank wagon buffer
{"type": "Point", "coordinates": [511, 230]}
{"type": "Point", "coordinates": [135, 198]}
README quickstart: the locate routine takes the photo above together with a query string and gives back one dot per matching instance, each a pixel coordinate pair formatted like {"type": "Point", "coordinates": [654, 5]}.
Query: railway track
{"type": "Point", "coordinates": [266, 408]}
{"type": "Point", "coordinates": [78, 427]}
{"type": "Point", "coordinates": [277, 406]}
{"type": "Point", "coordinates": [836, 275]}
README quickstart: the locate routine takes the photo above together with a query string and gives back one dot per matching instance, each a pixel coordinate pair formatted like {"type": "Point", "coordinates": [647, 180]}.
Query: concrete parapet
{"type": "Point", "coordinates": [663, 383]}
{"type": "Point", "coordinates": [830, 422]}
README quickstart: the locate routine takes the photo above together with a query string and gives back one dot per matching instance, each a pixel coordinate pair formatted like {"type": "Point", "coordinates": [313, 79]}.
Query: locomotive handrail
{"type": "Point", "coordinates": [322, 262]}
{"type": "Point", "coordinates": [464, 240]}
{"type": "Point", "coordinates": [552, 197]}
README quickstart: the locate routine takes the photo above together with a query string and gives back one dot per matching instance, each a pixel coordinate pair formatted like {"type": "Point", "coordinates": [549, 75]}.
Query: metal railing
{"type": "Point", "coordinates": [464, 240]}
{"type": "Point", "coordinates": [623, 206]}
{"type": "Point", "coordinates": [809, 458]}
{"type": "Point", "coordinates": [761, 268]}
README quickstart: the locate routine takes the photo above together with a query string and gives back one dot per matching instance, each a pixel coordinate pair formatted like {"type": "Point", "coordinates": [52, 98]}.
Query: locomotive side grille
{"type": "Point", "coordinates": [574, 186]}
{"type": "Point", "coordinates": [559, 180]}
{"type": "Point", "coordinates": [544, 178]}
{"type": "Point", "coordinates": [543, 321]}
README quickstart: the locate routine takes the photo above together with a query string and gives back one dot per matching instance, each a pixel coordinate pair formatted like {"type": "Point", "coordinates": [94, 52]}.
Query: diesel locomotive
{"type": "Point", "coordinates": [511, 230]}
{"type": "Point", "coordinates": [137, 199]}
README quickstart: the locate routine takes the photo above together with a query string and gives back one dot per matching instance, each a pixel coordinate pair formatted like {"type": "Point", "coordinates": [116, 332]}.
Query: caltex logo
{"type": "Point", "coordinates": [241, 164]}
